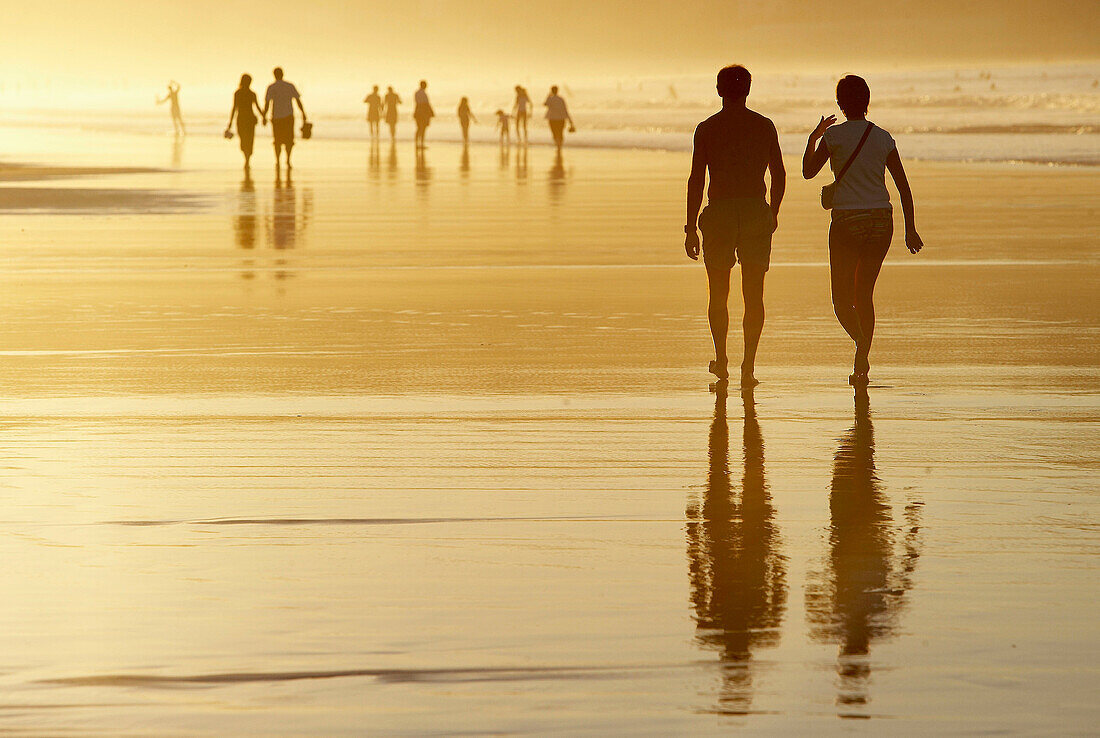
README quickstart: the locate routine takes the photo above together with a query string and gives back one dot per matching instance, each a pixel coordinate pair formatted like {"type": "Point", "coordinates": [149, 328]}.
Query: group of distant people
{"type": "Point", "coordinates": [736, 146]}
{"type": "Point", "coordinates": [281, 96]}
{"type": "Point", "coordinates": [557, 115]}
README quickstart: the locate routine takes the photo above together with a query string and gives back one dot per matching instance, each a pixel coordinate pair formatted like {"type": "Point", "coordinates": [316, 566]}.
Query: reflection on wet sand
{"type": "Point", "coordinates": [737, 572]}
{"type": "Point", "coordinates": [177, 152]}
{"type": "Point", "coordinates": [557, 179]}
{"type": "Point", "coordinates": [244, 222]}
{"type": "Point", "coordinates": [423, 171]}
{"type": "Point", "coordinates": [374, 159]}
{"type": "Point", "coordinates": [391, 161]}
{"type": "Point", "coordinates": [521, 162]}
{"type": "Point", "coordinates": [860, 596]}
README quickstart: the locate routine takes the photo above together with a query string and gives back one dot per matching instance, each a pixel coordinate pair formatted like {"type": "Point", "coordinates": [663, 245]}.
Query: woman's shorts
{"type": "Point", "coordinates": [737, 229]}
{"type": "Point", "coordinates": [862, 233]}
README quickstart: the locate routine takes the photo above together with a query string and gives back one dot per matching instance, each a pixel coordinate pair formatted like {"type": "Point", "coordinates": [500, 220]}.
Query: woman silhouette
{"type": "Point", "coordinates": [244, 100]}
{"type": "Point", "coordinates": [859, 153]}
{"type": "Point", "coordinates": [522, 110]}
{"type": "Point", "coordinates": [464, 118]}
{"type": "Point", "coordinates": [392, 101]}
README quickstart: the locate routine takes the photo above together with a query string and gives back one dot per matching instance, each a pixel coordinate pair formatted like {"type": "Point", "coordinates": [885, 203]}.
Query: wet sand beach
{"type": "Point", "coordinates": [425, 446]}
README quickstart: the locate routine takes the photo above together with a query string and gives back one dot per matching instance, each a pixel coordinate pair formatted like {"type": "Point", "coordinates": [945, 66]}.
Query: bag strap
{"type": "Point", "coordinates": [855, 153]}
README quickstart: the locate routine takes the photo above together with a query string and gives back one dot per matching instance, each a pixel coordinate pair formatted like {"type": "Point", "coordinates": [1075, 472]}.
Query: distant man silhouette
{"type": "Point", "coordinates": [422, 113]}
{"type": "Point", "coordinates": [279, 100]}
{"type": "Point", "coordinates": [736, 145]}
{"type": "Point", "coordinates": [173, 97]}
{"type": "Point", "coordinates": [557, 114]}
{"type": "Point", "coordinates": [374, 111]}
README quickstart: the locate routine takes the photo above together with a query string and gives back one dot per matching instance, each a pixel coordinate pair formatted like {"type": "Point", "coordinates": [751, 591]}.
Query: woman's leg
{"type": "Point", "coordinates": [866, 275]}
{"type": "Point", "coordinates": [843, 260]}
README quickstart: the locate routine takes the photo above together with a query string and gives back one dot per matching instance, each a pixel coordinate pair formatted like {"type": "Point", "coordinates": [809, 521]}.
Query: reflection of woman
{"type": "Point", "coordinates": [737, 574]}
{"type": "Point", "coordinates": [863, 225]}
{"type": "Point", "coordinates": [522, 111]}
{"type": "Point", "coordinates": [244, 100]}
{"type": "Point", "coordinates": [374, 111]}
{"type": "Point", "coordinates": [422, 113]}
{"type": "Point", "coordinates": [392, 101]}
{"type": "Point", "coordinates": [859, 597]}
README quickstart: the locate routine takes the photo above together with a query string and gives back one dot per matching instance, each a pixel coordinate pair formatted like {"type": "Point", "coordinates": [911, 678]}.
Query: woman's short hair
{"type": "Point", "coordinates": [734, 81]}
{"type": "Point", "coordinates": [853, 95]}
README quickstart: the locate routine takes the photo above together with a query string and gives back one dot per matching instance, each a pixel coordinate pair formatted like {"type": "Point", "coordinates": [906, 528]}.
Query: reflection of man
{"type": "Point", "coordinates": [279, 99]}
{"type": "Point", "coordinates": [737, 574]}
{"type": "Point", "coordinates": [736, 145]}
{"type": "Point", "coordinates": [558, 114]}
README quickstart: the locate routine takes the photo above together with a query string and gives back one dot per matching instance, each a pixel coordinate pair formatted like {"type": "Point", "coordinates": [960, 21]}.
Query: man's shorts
{"type": "Point", "coordinates": [283, 129]}
{"type": "Point", "coordinates": [738, 229]}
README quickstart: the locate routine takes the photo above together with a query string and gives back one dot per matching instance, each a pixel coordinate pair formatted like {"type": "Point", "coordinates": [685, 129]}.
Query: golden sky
{"type": "Point", "coordinates": [154, 39]}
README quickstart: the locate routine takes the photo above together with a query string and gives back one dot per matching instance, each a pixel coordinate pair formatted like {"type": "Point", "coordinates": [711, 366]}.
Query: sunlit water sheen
{"type": "Point", "coordinates": [429, 449]}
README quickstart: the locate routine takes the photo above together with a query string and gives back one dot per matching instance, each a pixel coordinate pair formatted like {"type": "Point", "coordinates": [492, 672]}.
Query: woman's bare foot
{"type": "Point", "coordinates": [748, 379]}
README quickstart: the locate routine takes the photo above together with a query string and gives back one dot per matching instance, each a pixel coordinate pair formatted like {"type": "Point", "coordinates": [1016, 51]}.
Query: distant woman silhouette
{"type": "Point", "coordinates": [244, 100]}
{"type": "Point", "coordinates": [374, 111]}
{"type": "Point", "coordinates": [392, 101]}
{"type": "Point", "coordinates": [522, 111]}
{"type": "Point", "coordinates": [173, 97]}
{"type": "Point", "coordinates": [422, 113]}
{"type": "Point", "coordinates": [464, 118]}
{"type": "Point", "coordinates": [863, 224]}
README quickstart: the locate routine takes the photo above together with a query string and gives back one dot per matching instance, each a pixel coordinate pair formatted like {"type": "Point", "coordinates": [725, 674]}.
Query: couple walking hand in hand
{"type": "Point", "coordinates": [279, 100]}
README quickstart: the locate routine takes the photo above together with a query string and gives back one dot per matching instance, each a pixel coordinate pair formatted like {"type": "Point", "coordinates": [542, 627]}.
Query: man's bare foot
{"type": "Point", "coordinates": [748, 377]}
{"type": "Point", "coordinates": [720, 369]}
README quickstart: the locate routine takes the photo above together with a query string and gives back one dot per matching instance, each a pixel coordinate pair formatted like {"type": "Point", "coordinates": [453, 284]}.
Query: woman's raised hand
{"type": "Point", "coordinates": [822, 125]}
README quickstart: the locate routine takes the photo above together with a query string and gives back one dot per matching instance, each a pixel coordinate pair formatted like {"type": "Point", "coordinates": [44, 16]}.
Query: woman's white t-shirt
{"type": "Point", "coordinates": [864, 184]}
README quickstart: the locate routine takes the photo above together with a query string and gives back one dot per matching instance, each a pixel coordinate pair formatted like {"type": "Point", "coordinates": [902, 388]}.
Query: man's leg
{"type": "Point", "coordinates": [718, 282]}
{"type": "Point", "coordinates": [289, 146]}
{"type": "Point", "coordinates": [752, 291]}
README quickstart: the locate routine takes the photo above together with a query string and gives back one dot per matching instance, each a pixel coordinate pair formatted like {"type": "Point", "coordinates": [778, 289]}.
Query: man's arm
{"type": "Point", "coordinates": [696, 180]}
{"type": "Point", "coordinates": [267, 106]}
{"type": "Point", "coordinates": [298, 99]}
{"type": "Point", "coordinates": [778, 176]}
{"type": "Point", "coordinates": [897, 171]}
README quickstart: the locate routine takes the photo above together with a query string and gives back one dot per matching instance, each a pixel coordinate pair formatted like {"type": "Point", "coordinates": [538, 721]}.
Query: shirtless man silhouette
{"type": "Point", "coordinates": [736, 146]}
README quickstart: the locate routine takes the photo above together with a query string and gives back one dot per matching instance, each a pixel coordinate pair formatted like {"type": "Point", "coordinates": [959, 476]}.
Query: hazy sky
{"type": "Point", "coordinates": [85, 42]}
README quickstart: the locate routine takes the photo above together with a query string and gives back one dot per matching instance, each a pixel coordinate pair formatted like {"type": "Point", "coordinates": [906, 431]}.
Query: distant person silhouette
{"type": "Point", "coordinates": [422, 113]}
{"type": "Point", "coordinates": [504, 125]}
{"type": "Point", "coordinates": [374, 111]}
{"type": "Point", "coordinates": [736, 146]}
{"type": "Point", "coordinates": [464, 118]}
{"type": "Point", "coordinates": [862, 220]}
{"type": "Point", "coordinates": [279, 99]}
{"type": "Point", "coordinates": [392, 101]}
{"type": "Point", "coordinates": [244, 102]}
{"type": "Point", "coordinates": [522, 110]}
{"type": "Point", "coordinates": [173, 97]}
{"type": "Point", "coordinates": [737, 574]}
{"type": "Point", "coordinates": [558, 115]}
